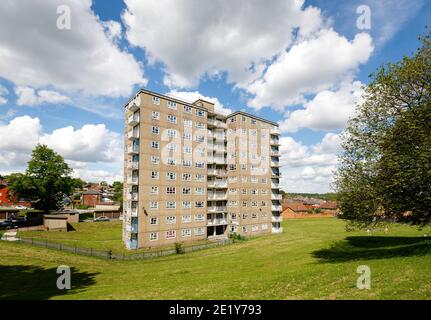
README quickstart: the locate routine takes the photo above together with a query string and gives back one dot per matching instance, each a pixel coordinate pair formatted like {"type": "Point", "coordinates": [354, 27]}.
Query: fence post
{"type": "Point", "coordinates": [91, 252]}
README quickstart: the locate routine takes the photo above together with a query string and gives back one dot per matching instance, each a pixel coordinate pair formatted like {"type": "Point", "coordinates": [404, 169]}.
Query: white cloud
{"type": "Point", "coordinates": [3, 92]}
{"type": "Point", "coordinates": [35, 53]}
{"type": "Point", "coordinates": [113, 29]}
{"type": "Point", "coordinates": [328, 110]}
{"type": "Point", "coordinates": [195, 40]}
{"type": "Point", "coordinates": [91, 149]}
{"type": "Point", "coordinates": [308, 168]}
{"type": "Point", "coordinates": [308, 67]}
{"type": "Point", "coordinates": [192, 96]}
{"type": "Point", "coordinates": [29, 97]}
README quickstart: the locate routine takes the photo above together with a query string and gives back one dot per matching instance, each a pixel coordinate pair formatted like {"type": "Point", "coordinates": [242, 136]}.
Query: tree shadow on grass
{"type": "Point", "coordinates": [374, 247]}
{"type": "Point", "coordinates": [33, 282]}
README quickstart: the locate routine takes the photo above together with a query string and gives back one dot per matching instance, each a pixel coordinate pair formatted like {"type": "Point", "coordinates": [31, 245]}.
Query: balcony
{"type": "Point", "coordinates": [132, 149]}
{"type": "Point", "coordinates": [219, 136]}
{"type": "Point", "coordinates": [133, 165]}
{"type": "Point", "coordinates": [132, 180]}
{"type": "Point", "coordinates": [217, 209]}
{"type": "Point", "coordinates": [132, 211]}
{"type": "Point", "coordinates": [275, 185]}
{"type": "Point", "coordinates": [277, 230]}
{"type": "Point", "coordinates": [219, 160]}
{"type": "Point", "coordinates": [277, 219]}
{"type": "Point", "coordinates": [275, 153]}
{"type": "Point", "coordinates": [275, 142]}
{"type": "Point", "coordinates": [275, 131]}
{"type": "Point", "coordinates": [275, 196]}
{"type": "Point", "coordinates": [133, 120]}
{"type": "Point", "coordinates": [217, 184]}
{"type": "Point", "coordinates": [132, 107]}
{"type": "Point", "coordinates": [134, 196]}
{"type": "Point", "coordinates": [276, 207]}
{"type": "Point", "coordinates": [275, 174]}
{"type": "Point", "coordinates": [275, 164]}
{"type": "Point", "coordinates": [217, 123]}
{"type": "Point", "coordinates": [214, 222]}
{"type": "Point", "coordinates": [217, 196]}
{"type": "Point", "coordinates": [132, 135]}
{"type": "Point", "coordinates": [217, 172]}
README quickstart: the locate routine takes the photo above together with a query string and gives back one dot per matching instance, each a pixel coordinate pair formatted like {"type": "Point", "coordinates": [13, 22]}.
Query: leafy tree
{"type": "Point", "coordinates": [118, 192]}
{"type": "Point", "coordinates": [46, 181]}
{"type": "Point", "coordinates": [385, 171]}
{"type": "Point", "coordinates": [78, 183]}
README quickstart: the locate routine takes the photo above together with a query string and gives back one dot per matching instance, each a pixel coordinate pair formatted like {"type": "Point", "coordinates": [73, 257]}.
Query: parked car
{"type": "Point", "coordinates": [7, 224]}
{"type": "Point", "coordinates": [101, 219]}
{"type": "Point", "coordinates": [21, 207]}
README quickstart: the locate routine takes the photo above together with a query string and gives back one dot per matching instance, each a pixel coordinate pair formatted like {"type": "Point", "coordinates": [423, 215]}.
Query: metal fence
{"type": "Point", "coordinates": [108, 254]}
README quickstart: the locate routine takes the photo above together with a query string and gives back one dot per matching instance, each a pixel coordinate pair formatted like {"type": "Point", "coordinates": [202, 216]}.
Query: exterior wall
{"type": "Point", "coordinates": [55, 223]}
{"type": "Point", "coordinates": [4, 200]}
{"type": "Point", "coordinates": [90, 199]}
{"type": "Point", "coordinates": [138, 167]}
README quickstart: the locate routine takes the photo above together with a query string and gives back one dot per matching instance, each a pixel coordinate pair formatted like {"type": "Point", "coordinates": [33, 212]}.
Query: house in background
{"type": "Point", "coordinates": [4, 193]}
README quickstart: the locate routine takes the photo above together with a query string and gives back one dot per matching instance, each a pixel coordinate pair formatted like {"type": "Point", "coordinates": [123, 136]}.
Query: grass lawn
{"type": "Point", "coordinates": [312, 259]}
{"type": "Point", "coordinates": [96, 235]}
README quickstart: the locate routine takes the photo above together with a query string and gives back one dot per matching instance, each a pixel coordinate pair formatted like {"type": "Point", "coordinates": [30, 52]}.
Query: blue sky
{"type": "Point", "coordinates": [300, 65]}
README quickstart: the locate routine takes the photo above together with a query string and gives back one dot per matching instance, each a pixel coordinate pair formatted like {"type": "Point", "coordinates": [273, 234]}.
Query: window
{"type": "Point", "coordinates": [155, 144]}
{"type": "Point", "coordinates": [254, 180]}
{"type": "Point", "coordinates": [200, 164]}
{"type": "Point", "coordinates": [200, 177]}
{"type": "Point", "coordinates": [200, 152]}
{"type": "Point", "coordinates": [254, 215]}
{"type": "Point", "coordinates": [254, 203]}
{"type": "Point", "coordinates": [171, 162]}
{"type": "Point", "coordinates": [187, 190]}
{"type": "Point", "coordinates": [255, 228]}
{"type": "Point", "coordinates": [264, 226]}
{"type": "Point", "coordinates": [172, 105]}
{"type": "Point", "coordinates": [200, 113]}
{"type": "Point", "coordinates": [155, 115]}
{"type": "Point", "coordinates": [243, 119]}
{"type": "Point", "coordinates": [187, 205]}
{"type": "Point", "coordinates": [172, 118]}
{"type": "Point", "coordinates": [244, 204]}
{"type": "Point", "coordinates": [199, 231]}
{"type": "Point", "coordinates": [187, 109]}
{"type": "Point", "coordinates": [244, 179]}
{"type": "Point", "coordinates": [156, 101]}
{"type": "Point", "coordinates": [172, 147]}
{"type": "Point", "coordinates": [200, 125]}
{"type": "Point", "coordinates": [187, 163]}
{"type": "Point", "coordinates": [233, 191]}
{"type": "Point", "coordinates": [263, 191]}
{"type": "Point", "coordinates": [172, 133]}
{"type": "Point", "coordinates": [170, 190]}
{"type": "Point", "coordinates": [155, 160]}
{"type": "Point", "coordinates": [171, 175]}
{"type": "Point", "coordinates": [199, 217]}
{"type": "Point", "coordinates": [232, 120]}
{"type": "Point", "coordinates": [253, 121]}
{"type": "Point", "coordinates": [170, 219]}
{"type": "Point", "coordinates": [233, 179]}
{"type": "Point", "coordinates": [253, 191]}
{"type": "Point", "coordinates": [171, 234]}
{"type": "Point", "coordinates": [154, 175]}
{"type": "Point", "coordinates": [199, 191]}
{"type": "Point", "coordinates": [199, 138]}
{"type": "Point", "coordinates": [244, 191]}
{"type": "Point", "coordinates": [263, 203]}
{"type": "Point", "coordinates": [154, 130]}
{"type": "Point", "coordinates": [187, 149]}
{"type": "Point", "coordinates": [233, 216]}
{"type": "Point", "coordinates": [154, 190]}
{"type": "Point", "coordinates": [243, 167]}
{"type": "Point", "coordinates": [171, 204]}
{"type": "Point", "coordinates": [153, 236]}
{"type": "Point", "coordinates": [186, 218]}
{"type": "Point", "coordinates": [186, 232]}
{"type": "Point", "coordinates": [154, 205]}
{"type": "Point", "coordinates": [244, 229]}
{"type": "Point", "coordinates": [264, 180]}
{"type": "Point", "coordinates": [244, 216]}
{"type": "Point", "coordinates": [188, 123]}
{"type": "Point", "coordinates": [187, 177]}
{"type": "Point", "coordinates": [153, 220]}
{"type": "Point", "coordinates": [232, 167]}
{"type": "Point", "coordinates": [187, 136]}
{"type": "Point", "coordinates": [233, 203]}
{"type": "Point", "coordinates": [199, 204]}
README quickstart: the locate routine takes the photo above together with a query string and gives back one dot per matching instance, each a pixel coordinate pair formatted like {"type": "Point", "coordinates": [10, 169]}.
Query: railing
{"type": "Point", "coordinates": [277, 230]}
{"type": "Point", "coordinates": [275, 185]}
{"type": "Point", "coordinates": [277, 219]}
{"type": "Point", "coordinates": [275, 142]}
{"type": "Point", "coordinates": [275, 208]}
{"type": "Point", "coordinates": [132, 135]}
{"type": "Point", "coordinates": [217, 172]}
{"type": "Point", "coordinates": [220, 136]}
{"type": "Point", "coordinates": [133, 165]}
{"type": "Point", "coordinates": [132, 106]}
{"type": "Point", "coordinates": [275, 164]}
{"type": "Point", "coordinates": [133, 120]}
{"type": "Point", "coordinates": [275, 130]}
{"type": "Point", "coordinates": [276, 196]}
{"type": "Point", "coordinates": [220, 160]}
{"type": "Point", "coordinates": [217, 209]}
{"type": "Point", "coordinates": [217, 184]}
{"type": "Point", "coordinates": [212, 222]}
{"type": "Point", "coordinates": [221, 196]}
{"type": "Point", "coordinates": [134, 196]}
{"type": "Point", "coordinates": [132, 149]}
{"type": "Point", "coordinates": [132, 180]}
{"type": "Point", "coordinates": [275, 153]}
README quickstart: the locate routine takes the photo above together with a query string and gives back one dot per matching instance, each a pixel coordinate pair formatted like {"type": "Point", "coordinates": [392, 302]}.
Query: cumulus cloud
{"type": "Point", "coordinates": [328, 110]}
{"type": "Point", "coordinates": [310, 66]}
{"type": "Point", "coordinates": [237, 37]}
{"type": "Point", "coordinates": [83, 148]}
{"type": "Point", "coordinates": [308, 168]}
{"type": "Point", "coordinates": [192, 96]}
{"type": "Point", "coordinates": [83, 59]}
{"type": "Point", "coordinates": [3, 92]}
{"type": "Point", "coordinates": [29, 97]}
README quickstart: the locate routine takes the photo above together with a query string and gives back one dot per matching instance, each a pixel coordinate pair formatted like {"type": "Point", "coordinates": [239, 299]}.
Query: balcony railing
{"type": "Point", "coordinates": [275, 142]}
{"type": "Point", "coordinates": [276, 196]}
{"type": "Point", "coordinates": [132, 211]}
{"type": "Point", "coordinates": [275, 185]}
{"type": "Point", "coordinates": [132, 180]}
{"type": "Point", "coordinates": [131, 135]}
{"type": "Point", "coordinates": [219, 160]}
{"type": "Point", "coordinates": [275, 130]}
{"type": "Point", "coordinates": [276, 219]}
{"type": "Point", "coordinates": [275, 153]}
{"type": "Point", "coordinates": [275, 164]}
{"type": "Point", "coordinates": [133, 120]}
{"type": "Point", "coordinates": [133, 165]}
{"type": "Point", "coordinates": [217, 172]}
{"type": "Point", "coordinates": [217, 184]}
{"type": "Point", "coordinates": [275, 207]}
{"type": "Point", "coordinates": [277, 230]}
{"type": "Point", "coordinates": [217, 196]}
{"type": "Point", "coordinates": [217, 209]}
{"type": "Point", "coordinates": [132, 149]}
{"type": "Point", "coordinates": [132, 107]}
{"type": "Point", "coordinates": [134, 196]}
{"type": "Point", "coordinates": [220, 136]}
{"type": "Point", "coordinates": [212, 222]}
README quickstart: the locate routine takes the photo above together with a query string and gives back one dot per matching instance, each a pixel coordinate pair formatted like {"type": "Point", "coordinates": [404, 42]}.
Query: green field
{"type": "Point", "coordinates": [312, 259]}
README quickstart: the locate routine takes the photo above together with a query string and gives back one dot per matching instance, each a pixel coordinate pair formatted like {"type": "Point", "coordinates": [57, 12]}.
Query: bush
{"type": "Point", "coordinates": [179, 248]}
{"type": "Point", "coordinates": [236, 237]}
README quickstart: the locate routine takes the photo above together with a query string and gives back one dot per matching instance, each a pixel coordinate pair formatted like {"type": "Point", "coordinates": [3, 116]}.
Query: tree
{"type": "Point", "coordinates": [385, 171]}
{"type": "Point", "coordinates": [46, 181]}
{"type": "Point", "coordinates": [78, 183]}
{"type": "Point", "coordinates": [118, 192]}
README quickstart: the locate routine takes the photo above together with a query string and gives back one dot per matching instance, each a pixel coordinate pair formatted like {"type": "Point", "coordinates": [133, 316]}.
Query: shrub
{"type": "Point", "coordinates": [179, 248]}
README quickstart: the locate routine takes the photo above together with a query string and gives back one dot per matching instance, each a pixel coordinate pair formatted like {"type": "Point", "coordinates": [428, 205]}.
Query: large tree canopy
{"type": "Point", "coordinates": [385, 169]}
{"type": "Point", "coordinates": [46, 181]}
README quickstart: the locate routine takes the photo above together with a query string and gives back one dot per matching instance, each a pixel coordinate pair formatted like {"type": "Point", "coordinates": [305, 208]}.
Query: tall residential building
{"type": "Point", "coordinates": [192, 173]}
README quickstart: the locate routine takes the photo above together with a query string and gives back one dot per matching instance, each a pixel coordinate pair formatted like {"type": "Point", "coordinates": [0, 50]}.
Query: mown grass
{"type": "Point", "coordinates": [312, 259]}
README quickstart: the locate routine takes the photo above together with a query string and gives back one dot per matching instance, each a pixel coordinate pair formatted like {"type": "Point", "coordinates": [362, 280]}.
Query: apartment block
{"type": "Point", "coordinates": [192, 173]}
